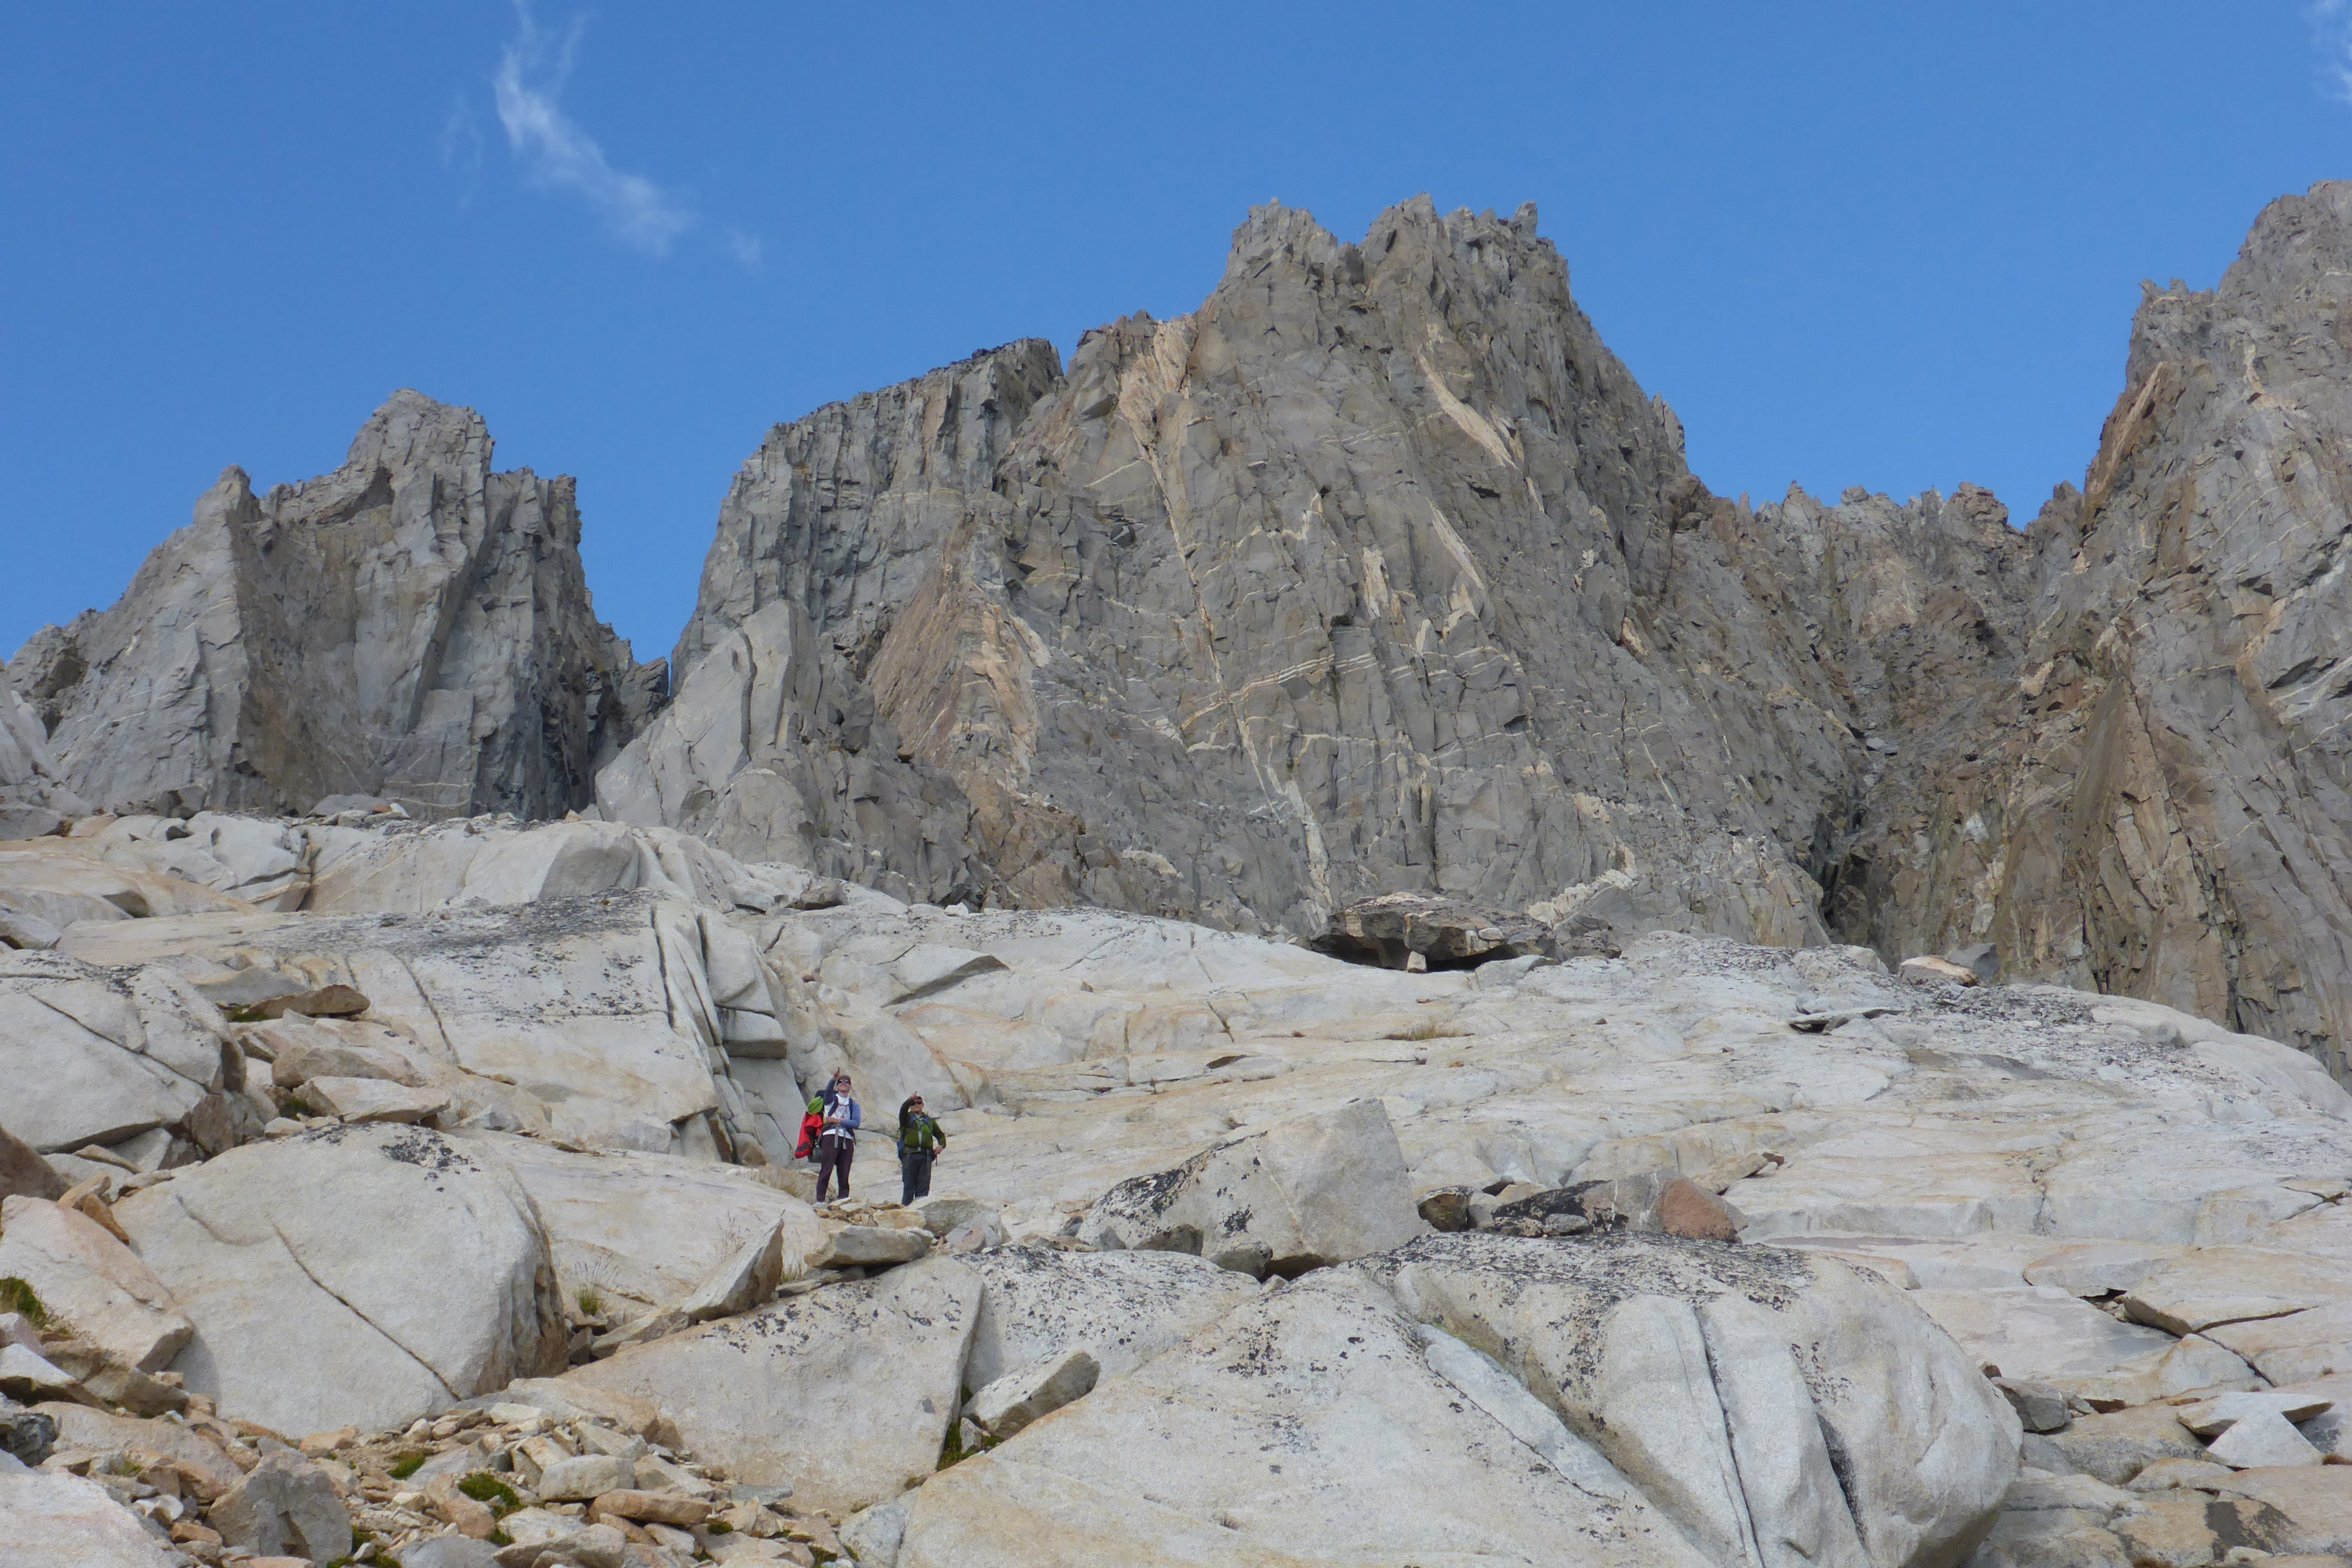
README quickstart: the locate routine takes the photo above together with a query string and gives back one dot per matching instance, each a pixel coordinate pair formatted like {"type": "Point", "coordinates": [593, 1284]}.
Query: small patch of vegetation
{"type": "Point", "coordinates": [297, 1106]}
{"type": "Point", "coordinates": [1426, 1029]}
{"type": "Point", "coordinates": [406, 1466]}
{"type": "Point", "coordinates": [251, 1014]}
{"type": "Point", "coordinates": [16, 1296]}
{"type": "Point", "coordinates": [718, 1526]}
{"type": "Point", "coordinates": [591, 1305]}
{"type": "Point", "coordinates": [952, 1451]}
{"type": "Point", "coordinates": [484, 1487]}
{"type": "Point", "coordinates": [819, 1554]}
{"type": "Point", "coordinates": [501, 1538]}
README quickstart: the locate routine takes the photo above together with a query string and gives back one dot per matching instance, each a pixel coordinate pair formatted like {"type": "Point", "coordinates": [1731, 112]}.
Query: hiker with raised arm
{"type": "Point", "coordinates": [836, 1139]}
{"type": "Point", "coordinates": [920, 1141]}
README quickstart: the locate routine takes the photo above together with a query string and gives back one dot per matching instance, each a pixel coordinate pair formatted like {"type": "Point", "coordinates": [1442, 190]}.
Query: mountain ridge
{"type": "Point", "coordinates": [1379, 572]}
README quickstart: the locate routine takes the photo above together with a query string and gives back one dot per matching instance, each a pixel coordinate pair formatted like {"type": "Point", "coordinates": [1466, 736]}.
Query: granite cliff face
{"type": "Point", "coordinates": [1376, 573]}
{"type": "Point", "coordinates": [412, 626]}
{"type": "Point", "coordinates": [2157, 805]}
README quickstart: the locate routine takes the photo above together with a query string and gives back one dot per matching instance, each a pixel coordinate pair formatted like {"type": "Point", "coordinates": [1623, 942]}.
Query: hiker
{"type": "Point", "coordinates": [920, 1141]}
{"type": "Point", "coordinates": [837, 1139]}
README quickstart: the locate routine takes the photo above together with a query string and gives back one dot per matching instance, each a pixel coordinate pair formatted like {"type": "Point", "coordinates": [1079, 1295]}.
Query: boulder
{"type": "Point", "coordinates": [301, 1050]}
{"type": "Point", "coordinates": [1123, 1309]}
{"type": "Point", "coordinates": [749, 1275]}
{"type": "Point", "coordinates": [2262, 1440]}
{"type": "Point", "coordinates": [371, 1099]}
{"type": "Point", "coordinates": [240, 988]}
{"type": "Point", "coordinates": [1389, 929]}
{"type": "Point", "coordinates": [844, 1393]}
{"type": "Point", "coordinates": [2197, 1289]}
{"type": "Point", "coordinates": [2038, 1407]}
{"type": "Point", "coordinates": [1752, 1394]}
{"type": "Point", "coordinates": [283, 1505]}
{"type": "Point", "coordinates": [18, 821]}
{"type": "Point", "coordinates": [326, 1002]}
{"type": "Point", "coordinates": [947, 1213]}
{"type": "Point", "coordinates": [363, 1275]}
{"type": "Point", "coordinates": [648, 1230]}
{"type": "Point", "coordinates": [872, 1246]}
{"type": "Point", "coordinates": [1937, 972]}
{"type": "Point", "coordinates": [27, 1435]}
{"type": "Point", "coordinates": [1690, 1211]}
{"type": "Point", "coordinates": [53, 1521]}
{"type": "Point", "coordinates": [2052, 1337]}
{"type": "Point", "coordinates": [2210, 1418]}
{"type": "Point", "coordinates": [23, 1172]}
{"type": "Point", "coordinates": [1982, 958]}
{"type": "Point", "coordinates": [1447, 1208]}
{"type": "Point", "coordinates": [584, 1477]}
{"type": "Point", "coordinates": [1310, 1426]}
{"type": "Point", "coordinates": [1315, 1189]}
{"type": "Point", "coordinates": [2116, 1446]}
{"type": "Point", "coordinates": [115, 1055]}
{"type": "Point", "coordinates": [103, 1377]}
{"type": "Point", "coordinates": [649, 1508]}
{"type": "Point", "coordinates": [28, 1375]}
{"type": "Point", "coordinates": [449, 1551]}
{"type": "Point", "coordinates": [200, 1459]}
{"type": "Point", "coordinates": [2314, 1503]}
{"type": "Point", "coordinates": [1018, 1398]}
{"type": "Point", "coordinates": [2177, 1528]}
{"type": "Point", "coordinates": [92, 1283]}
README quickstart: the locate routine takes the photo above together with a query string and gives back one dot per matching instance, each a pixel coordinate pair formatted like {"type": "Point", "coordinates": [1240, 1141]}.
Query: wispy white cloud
{"type": "Point", "coordinates": [461, 147]}
{"type": "Point", "coordinates": [557, 152]}
{"type": "Point", "coordinates": [744, 247]}
{"type": "Point", "coordinates": [2331, 27]}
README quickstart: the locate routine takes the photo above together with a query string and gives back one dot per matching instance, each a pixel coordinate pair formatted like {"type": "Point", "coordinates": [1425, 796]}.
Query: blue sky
{"type": "Point", "coordinates": [1892, 246]}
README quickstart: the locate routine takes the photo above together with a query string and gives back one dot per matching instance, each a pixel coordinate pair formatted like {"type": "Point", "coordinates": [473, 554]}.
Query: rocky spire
{"type": "Point", "coordinates": [2158, 805]}
{"type": "Point", "coordinates": [412, 625]}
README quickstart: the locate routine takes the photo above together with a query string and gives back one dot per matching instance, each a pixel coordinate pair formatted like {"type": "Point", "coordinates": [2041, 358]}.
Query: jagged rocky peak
{"type": "Point", "coordinates": [1376, 572]}
{"type": "Point", "coordinates": [412, 626]}
{"type": "Point", "coordinates": [2158, 805]}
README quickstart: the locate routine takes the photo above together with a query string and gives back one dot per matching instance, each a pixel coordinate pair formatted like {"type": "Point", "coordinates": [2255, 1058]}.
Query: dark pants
{"type": "Point", "coordinates": [914, 1174]}
{"type": "Point", "coordinates": [834, 1154]}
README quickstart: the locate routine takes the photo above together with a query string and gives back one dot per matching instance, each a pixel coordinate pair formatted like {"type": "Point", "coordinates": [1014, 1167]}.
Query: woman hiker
{"type": "Point", "coordinates": [836, 1142]}
{"type": "Point", "coordinates": [920, 1141]}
